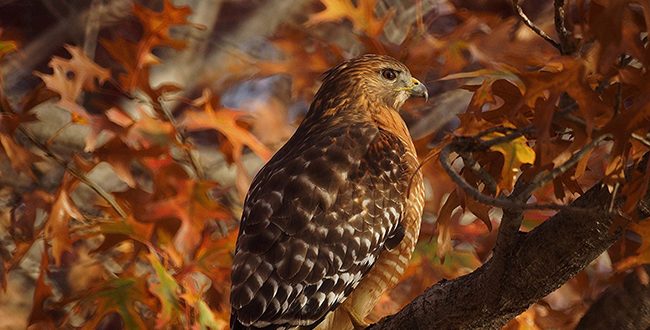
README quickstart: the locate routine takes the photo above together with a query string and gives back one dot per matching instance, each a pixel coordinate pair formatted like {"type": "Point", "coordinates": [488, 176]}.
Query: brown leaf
{"type": "Point", "coordinates": [121, 156]}
{"type": "Point", "coordinates": [444, 224]}
{"type": "Point", "coordinates": [57, 231]}
{"type": "Point", "coordinates": [39, 318]}
{"type": "Point", "coordinates": [72, 76]}
{"type": "Point", "coordinates": [157, 25]}
{"type": "Point", "coordinates": [193, 206]}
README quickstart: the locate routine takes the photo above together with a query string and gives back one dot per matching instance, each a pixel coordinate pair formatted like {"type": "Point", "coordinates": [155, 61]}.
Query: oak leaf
{"type": "Point", "coordinates": [362, 15]}
{"type": "Point", "coordinates": [71, 77]}
{"type": "Point", "coordinates": [515, 153]}
{"type": "Point", "coordinates": [224, 120]}
{"type": "Point", "coordinates": [157, 25]}
{"type": "Point", "coordinates": [39, 317]}
{"type": "Point", "coordinates": [122, 296]}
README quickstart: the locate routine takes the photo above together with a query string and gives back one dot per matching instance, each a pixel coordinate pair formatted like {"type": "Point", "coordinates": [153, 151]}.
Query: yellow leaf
{"type": "Point", "coordinates": [515, 153]}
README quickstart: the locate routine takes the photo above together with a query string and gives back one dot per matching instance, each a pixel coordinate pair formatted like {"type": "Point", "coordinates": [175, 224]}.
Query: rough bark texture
{"type": "Point", "coordinates": [537, 263]}
{"type": "Point", "coordinates": [623, 306]}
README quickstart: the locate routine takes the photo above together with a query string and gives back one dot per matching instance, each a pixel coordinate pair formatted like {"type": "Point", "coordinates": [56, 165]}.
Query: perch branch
{"type": "Point", "coordinates": [576, 240]}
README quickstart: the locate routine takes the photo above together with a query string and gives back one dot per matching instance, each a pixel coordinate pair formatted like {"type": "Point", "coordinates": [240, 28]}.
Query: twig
{"type": "Point", "coordinates": [75, 172]}
{"type": "Point", "coordinates": [641, 139]}
{"type": "Point", "coordinates": [487, 179]}
{"type": "Point", "coordinates": [498, 201]}
{"type": "Point", "coordinates": [545, 177]}
{"type": "Point", "coordinates": [532, 26]}
{"type": "Point", "coordinates": [614, 195]}
{"type": "Point", "coordinates": [182, 140]}
{"type": "Point", "coordinates": [566, 39]}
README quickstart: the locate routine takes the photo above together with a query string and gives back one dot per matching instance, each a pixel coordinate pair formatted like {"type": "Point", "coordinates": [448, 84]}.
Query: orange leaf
{"type": "Point", "coordinates": [39, 317]}
{"type": "Point", "coordinates": [642, 255]}
{"type": "Point", "coordinates": [192, 205]}
{"type": "Point", "coordinates": [225, 122]}
{"type": "Point", "coordinates": [362, 15]}
{"type": "Point", "coordinates": [72, 76]}
{"type": "Point", "coordinates": [120, 156]}
{"type": "Point", "coordinates": [444, 224]}
{"type": "Point", "coordinates": [20, 158]}
{"type": "Point", "coordinates": [57, 231]}
{"type": "Point", "coordinates": [156, 25]}
{"type": "Point", "coordinates": [133, 58]}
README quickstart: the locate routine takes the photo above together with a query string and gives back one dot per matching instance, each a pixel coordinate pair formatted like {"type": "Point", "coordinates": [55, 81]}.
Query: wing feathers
{"type": "Point", "coordinates": [316, 218]}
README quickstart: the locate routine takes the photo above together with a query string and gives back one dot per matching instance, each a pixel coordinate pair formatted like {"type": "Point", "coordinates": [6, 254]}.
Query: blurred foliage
{"type": "Point", "coordinates": [156, 250]}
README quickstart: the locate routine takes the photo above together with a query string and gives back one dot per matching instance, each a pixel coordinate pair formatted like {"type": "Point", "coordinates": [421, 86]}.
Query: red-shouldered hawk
{"type": "Point", "coordinates": [330, 222]}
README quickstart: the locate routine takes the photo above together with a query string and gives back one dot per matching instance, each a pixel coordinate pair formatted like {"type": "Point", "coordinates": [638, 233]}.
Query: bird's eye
{"type": "Point", "coordinates": [389, 74]}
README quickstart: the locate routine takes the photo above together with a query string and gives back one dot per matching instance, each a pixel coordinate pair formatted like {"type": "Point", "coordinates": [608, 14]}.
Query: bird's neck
{"type": "Point", "coordinates": [332, 111]}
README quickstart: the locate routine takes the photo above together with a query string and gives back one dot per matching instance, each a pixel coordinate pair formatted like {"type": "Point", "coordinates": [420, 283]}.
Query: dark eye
{"type": "Point", "coordinates": [389, 74]}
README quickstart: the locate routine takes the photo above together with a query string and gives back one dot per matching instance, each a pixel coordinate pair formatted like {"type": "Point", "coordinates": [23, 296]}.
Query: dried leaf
{"type": "Point", "coordinates": [57, 228]}
{"type": "Point", "coordinates": [224, 120]}
{"type": "Point", "coordinates": [39, 318]}
{"type": "Point", "coordinates": [642, 254]}
{"type": "Point", "coordinates": [515, 153]}
{"type": "Point", "coordinates": [156, 25]}
{"type": "Point", "coordinates": [362, 15]}
{"type": "Point", "coordinates": [72, 76]}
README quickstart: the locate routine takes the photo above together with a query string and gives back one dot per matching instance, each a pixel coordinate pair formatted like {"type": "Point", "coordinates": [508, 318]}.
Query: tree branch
{"type": "Point", "coordinates": [520, 12]}
{"type": "Point", "coordinates": [567, 45]}
{"type": "Point", "coordinates": [577, 239]}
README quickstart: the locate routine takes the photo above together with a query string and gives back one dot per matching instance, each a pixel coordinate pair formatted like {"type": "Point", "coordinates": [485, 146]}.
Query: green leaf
{"type": "Point", "coordinates": [119, 296]}
{"type": "Point", "coordinates": [166, 289]}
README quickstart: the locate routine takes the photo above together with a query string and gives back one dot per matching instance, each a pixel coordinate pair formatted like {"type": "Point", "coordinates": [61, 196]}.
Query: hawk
{"type": "Point", "coordinates": [330, 222]}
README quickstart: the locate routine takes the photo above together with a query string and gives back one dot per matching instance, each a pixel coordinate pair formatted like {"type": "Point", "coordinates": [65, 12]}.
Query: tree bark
{"type": "Point", "coordinates": [538, 263]}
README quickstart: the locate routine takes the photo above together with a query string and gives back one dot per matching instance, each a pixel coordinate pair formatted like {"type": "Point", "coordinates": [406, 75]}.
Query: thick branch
{"type": "Point", "coordinates": [540, 262]}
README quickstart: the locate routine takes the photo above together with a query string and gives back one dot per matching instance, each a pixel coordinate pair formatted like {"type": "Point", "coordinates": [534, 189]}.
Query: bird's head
{"type": "Point", "coordinates": [375, 79]}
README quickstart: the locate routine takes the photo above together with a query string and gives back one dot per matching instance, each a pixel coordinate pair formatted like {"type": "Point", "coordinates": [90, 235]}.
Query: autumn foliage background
{"type": "Point", "coordinates": [130, 131]}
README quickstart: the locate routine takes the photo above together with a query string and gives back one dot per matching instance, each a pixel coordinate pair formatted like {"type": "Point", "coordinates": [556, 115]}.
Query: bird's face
{"type": "Point", "coordinates": [393, 83]}
{"type": "Point", "coordinates": [370, 82]}
{"type": "Point", "coordinates": [381, 79]}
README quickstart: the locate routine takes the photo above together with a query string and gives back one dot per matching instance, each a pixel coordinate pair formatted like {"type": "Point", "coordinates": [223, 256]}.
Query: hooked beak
{"type": "Point", "coordinates": [418, 89]}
